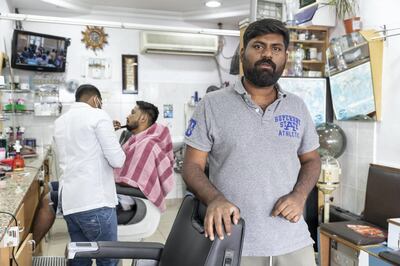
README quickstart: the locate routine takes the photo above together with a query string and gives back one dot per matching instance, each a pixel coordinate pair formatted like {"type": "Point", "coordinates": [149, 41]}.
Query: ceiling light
{"type": "Point", "coordinates": [213, 3]}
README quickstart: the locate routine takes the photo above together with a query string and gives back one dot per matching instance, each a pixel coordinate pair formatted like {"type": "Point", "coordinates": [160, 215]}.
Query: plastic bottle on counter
{"type": "Point", "coordinates": [298, 58]}
{"type": "Point", "coordinates": [20, 134]}
{"type": "Point", "coordinates": [18, 163]}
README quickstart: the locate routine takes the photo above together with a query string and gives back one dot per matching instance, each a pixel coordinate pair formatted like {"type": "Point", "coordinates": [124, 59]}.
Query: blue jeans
{"type": "Point", "coordinates": [90, 226]}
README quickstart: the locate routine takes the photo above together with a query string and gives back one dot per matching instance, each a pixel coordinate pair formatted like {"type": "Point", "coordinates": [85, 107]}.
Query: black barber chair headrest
{"type": "Point", "coordinates": [186, 244]}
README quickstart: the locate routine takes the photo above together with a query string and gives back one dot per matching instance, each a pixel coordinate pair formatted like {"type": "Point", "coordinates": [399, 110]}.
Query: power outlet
{"type": "Point", "coordinates": [11, 237]}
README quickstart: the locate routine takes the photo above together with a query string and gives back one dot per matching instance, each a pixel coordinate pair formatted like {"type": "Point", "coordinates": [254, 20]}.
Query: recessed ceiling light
{"type": "Point", "coordinates": [213, 3]}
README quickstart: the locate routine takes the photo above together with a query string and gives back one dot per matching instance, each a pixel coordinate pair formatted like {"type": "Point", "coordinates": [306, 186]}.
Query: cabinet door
{"type": "Point", "coordinates": [31, 202]}
{"type": "Point", "coordinates": [24, 253]}
{"type": "Point", "coordinates": [5, 254]}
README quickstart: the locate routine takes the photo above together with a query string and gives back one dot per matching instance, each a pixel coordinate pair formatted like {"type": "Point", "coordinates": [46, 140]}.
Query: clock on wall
{"type": "Point", "coordinates": [94, 37]}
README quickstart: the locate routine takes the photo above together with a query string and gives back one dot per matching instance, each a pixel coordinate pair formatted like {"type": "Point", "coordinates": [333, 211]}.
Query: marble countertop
{"type": "Point", "coordinates": [17, 184]}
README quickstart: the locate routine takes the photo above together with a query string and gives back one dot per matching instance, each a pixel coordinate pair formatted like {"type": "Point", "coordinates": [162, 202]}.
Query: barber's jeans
{"type": "Point", "coordinates": [93, 225]}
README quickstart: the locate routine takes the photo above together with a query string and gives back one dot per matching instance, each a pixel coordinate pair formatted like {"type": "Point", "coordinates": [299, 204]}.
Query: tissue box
{"type": "Point", "coordinates": [394, 233]}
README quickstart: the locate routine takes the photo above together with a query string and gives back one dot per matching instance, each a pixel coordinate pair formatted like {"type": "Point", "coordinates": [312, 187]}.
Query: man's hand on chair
{"type": "Point", "coordinates": [220, 214]}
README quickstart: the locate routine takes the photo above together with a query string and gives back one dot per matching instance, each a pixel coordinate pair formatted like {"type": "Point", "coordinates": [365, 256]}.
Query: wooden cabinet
{"type": "Point", "coordinates": [334, 250]}
{"type": "Point", "coordinates": [24, 215]}
{"type": "Point", "coordinates": [24, 253]}
{"type": "Point", "coordinates": [314, 41]}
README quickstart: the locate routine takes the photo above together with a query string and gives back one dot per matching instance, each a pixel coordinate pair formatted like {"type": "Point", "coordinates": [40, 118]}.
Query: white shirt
{"type": "Point", "coordinates": [88, 150]}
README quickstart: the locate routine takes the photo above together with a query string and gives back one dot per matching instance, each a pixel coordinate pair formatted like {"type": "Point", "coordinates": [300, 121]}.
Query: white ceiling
{"type": "Point", "coordinates": [230, 13]}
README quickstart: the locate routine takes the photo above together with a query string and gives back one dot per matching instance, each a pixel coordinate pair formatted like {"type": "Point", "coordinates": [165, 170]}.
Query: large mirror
{"type": "Point", "coordinates": [350, 78]}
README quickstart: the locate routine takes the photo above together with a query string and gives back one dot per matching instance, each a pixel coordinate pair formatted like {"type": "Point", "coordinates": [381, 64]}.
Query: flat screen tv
{"type": "Point", "coordinates": [304, 3]}
{"type": "Point", "coordinates": [38, 52]}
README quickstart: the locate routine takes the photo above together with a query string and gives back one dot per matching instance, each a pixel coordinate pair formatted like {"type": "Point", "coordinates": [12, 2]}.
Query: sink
{"type": "Point", "coordinates": [177, 142]}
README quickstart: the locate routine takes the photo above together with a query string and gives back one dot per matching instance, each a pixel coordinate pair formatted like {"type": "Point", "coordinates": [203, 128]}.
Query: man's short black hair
{"type": "Point", "coordinates": [150, 109]}
{"type": "Point", "coordinates": [266, 26]}
{"type": "Point", "coordinates": [86, 91]}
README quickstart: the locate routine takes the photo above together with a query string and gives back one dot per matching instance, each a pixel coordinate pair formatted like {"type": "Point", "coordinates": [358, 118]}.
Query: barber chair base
{"type": "Point", "coordinates": [144, 228]}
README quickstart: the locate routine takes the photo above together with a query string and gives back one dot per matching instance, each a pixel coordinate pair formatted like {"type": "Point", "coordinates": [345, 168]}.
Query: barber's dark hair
{"type": "Point", "coordinates": [150, 109]}
{"type": "Point", "coordinates": [266, 26]}
{"type": "Point", "coordinates": [86, 90]}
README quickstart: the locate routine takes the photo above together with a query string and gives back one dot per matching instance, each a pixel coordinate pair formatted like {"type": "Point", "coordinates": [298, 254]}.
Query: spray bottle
{"type": "Point", "coordinates": [18, 163]}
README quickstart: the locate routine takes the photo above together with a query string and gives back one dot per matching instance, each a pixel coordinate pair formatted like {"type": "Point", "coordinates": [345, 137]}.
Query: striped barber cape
{"type": "Point", "coordinates": [149, 164]}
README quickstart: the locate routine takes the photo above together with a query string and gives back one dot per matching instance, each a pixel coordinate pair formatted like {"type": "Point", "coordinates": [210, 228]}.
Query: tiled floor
{"type": "Point", "coordinates": [58, 236]}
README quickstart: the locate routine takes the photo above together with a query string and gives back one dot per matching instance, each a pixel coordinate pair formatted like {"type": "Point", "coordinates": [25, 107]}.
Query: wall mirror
{"type": "Point", "coordinates": [350, 78]}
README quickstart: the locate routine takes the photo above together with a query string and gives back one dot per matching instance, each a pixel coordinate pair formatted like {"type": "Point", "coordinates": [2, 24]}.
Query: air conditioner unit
{"type": "Point", "coordinates": [178, 43]}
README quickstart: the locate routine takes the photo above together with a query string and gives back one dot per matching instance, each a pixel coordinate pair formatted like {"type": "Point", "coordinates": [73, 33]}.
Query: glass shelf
{"type": "Point", "coordinates": [346, 52]}
{"type": "Point", "coordinates": [354, 64]}
{"type": "Point", "coordinates": [308, 62]}
{"type": "Point", "coordinates": [308, 41]}
{"type": "Point", "coordinates": [15, 91]}
{"type": "Point", "coordinates": [26, 112]}
{"type": "Point", "coordinates": [351, 49]}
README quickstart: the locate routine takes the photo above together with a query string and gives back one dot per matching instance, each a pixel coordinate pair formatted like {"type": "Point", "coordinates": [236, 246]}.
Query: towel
{"type": "Point", "coordinates": [149, 164]}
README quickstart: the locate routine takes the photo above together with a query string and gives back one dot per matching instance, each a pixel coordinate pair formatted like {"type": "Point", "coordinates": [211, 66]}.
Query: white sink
{"type": "Point", "coordinates": [177, 142]}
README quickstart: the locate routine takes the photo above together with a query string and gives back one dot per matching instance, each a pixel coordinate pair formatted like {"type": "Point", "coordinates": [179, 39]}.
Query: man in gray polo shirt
{"type": "Point", "coordinates": [261, 146]}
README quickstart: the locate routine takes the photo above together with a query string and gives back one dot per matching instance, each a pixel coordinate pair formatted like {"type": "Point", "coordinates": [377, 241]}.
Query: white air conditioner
{"type": "Point", "coordinates": [178, 43]}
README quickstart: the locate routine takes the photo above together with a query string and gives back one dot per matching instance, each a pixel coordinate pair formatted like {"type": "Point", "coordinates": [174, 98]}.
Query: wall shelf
{"type": "Point", "coordinates": [308, 62]}
{"type": "Point", "coordinates": [307, 42]}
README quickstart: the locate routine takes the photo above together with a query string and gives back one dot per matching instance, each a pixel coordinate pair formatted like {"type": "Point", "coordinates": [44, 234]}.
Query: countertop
{"type": "Point", "coordinates": [17, 185]}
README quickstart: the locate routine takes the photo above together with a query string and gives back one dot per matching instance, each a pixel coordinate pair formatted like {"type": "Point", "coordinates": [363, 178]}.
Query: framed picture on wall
{"type": "Point", "coordinates": [129, 74]}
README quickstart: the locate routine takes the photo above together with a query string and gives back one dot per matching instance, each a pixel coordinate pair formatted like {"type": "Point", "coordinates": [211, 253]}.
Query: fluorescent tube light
{"type": "Point", "coordinates": [213, 4]}
{"type": "Point", "coordinates": [114, 24]}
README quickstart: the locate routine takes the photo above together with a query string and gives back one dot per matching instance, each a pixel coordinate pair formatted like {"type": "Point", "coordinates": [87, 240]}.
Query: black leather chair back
{"type": "Point", "coordinates": [383, 195]}
{"type": "Point", "coordinates": [186, 244]}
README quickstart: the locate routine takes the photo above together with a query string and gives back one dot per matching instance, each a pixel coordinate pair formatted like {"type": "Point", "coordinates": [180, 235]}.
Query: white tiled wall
{"type": "Point", "coordinates": [355, 162]}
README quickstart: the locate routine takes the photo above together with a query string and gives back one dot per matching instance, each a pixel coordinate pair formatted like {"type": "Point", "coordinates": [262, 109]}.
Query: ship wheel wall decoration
{"type": "Point", "coordinates": [94, 38]}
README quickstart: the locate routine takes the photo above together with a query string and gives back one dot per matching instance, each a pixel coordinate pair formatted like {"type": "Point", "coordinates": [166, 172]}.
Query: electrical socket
{"type": "Point", "coordinates": [11, 236]}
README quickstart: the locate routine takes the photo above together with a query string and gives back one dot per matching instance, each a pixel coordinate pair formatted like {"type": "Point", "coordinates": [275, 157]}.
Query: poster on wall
{"type": "Point", "coordinates": [352, 92]}
{"type": "Point", "coordinates": [313, 93]}
{"type": "Point", "coordinates": [97, 68]}
{"type": "Point", "coordinates": [129, 74]}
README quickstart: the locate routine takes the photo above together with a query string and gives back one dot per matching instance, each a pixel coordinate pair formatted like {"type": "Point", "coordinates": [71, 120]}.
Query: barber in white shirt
{"type": "Point", "coordinates": [88, 150]}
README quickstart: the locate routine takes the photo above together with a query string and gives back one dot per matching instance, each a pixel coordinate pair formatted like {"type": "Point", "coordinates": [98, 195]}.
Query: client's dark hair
{"type": "Point", "coordinates": [266, 26]}
{"type": "Point", "coordinates": [150, 109]}
{"type": "Point", "coordinates": [85, 91]}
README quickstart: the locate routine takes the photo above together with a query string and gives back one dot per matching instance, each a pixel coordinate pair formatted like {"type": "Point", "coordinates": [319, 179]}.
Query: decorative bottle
{"type": "Point", "coordinates": [298, 64]}
{"type": "Point", "coordinates": [18, 163]}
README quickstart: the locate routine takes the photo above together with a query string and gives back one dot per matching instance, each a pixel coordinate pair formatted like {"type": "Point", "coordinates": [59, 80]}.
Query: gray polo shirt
{"type": "Point", "coordinates": [253, 159]}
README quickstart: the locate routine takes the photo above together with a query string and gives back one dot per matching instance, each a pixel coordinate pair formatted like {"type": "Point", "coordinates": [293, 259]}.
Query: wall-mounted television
{"type": "Point", "coordinates": [38, 52]}
{"type": "Point", "coordinates": [304, 3]}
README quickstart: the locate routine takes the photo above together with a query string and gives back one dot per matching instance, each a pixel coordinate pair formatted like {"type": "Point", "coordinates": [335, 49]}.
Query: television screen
{"type": "Point", "coordinates": [39, 52]}
{"type": "Point", "coordinates": [304, 3]}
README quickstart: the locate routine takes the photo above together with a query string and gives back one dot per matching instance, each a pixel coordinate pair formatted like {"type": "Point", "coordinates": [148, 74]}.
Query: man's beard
{"type": "Point", "coordinates": [262, 77]}
{"type": "Point", "coordinates": [132, 126]}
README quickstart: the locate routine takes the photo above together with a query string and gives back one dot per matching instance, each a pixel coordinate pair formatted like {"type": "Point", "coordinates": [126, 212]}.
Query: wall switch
{"type": "Point", "coordinates": [11, 237]}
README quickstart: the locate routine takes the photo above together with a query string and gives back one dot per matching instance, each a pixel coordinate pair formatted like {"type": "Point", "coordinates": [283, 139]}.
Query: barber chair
{"type": "Point", "coordinates": [185, 245]}
{"type": "Point", "coordinates": [139, 222]}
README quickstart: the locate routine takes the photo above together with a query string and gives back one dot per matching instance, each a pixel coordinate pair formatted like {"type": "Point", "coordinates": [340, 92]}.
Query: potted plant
{"type": "Point", "coordinates": [346, 10]}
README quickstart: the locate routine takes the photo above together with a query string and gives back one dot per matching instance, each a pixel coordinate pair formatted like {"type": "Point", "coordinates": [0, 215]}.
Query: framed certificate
{"type": "Point", "coordinates": [129, 74]}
